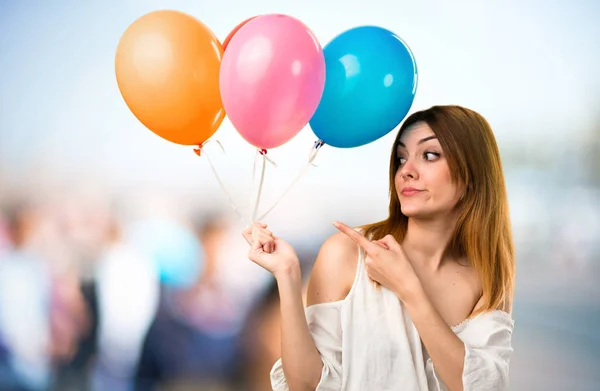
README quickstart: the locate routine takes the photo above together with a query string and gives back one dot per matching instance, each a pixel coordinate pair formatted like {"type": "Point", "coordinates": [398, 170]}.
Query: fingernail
{"type": "Point", "coordinates": [336, 224]}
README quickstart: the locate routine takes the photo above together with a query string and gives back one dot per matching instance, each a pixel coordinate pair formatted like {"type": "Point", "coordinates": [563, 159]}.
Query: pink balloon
{"type": "Point", "coordinates": [272, 78]}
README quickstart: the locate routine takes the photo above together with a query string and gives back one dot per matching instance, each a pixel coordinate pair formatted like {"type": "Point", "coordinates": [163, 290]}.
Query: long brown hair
{"type": "Point", "coordinates": [483, 232]}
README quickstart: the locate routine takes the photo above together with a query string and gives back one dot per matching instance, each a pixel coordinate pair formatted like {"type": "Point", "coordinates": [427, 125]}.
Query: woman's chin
{"type": "Point", "coordinates": [412, 212]}
{"type": "Point", "coordinates": [425, 214]}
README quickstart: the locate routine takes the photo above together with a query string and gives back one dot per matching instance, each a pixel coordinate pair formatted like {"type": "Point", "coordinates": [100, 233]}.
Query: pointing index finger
{"type": "Point", "coordinates": [356, 236]}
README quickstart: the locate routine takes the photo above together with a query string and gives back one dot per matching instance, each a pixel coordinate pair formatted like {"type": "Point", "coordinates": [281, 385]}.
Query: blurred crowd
{"type": "Point", "coordinates": [94, 296]}
{"type": "Point", "coordinates": [101, 291]}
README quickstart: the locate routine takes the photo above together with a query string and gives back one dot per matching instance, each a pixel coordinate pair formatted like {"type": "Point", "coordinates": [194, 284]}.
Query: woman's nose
{"type": "Point", "coordinates": [408, 170]}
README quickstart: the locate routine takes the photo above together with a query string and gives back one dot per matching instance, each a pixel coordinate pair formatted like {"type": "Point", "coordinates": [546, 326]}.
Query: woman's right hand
{"type": "Point", "coordinates": [269, 252]}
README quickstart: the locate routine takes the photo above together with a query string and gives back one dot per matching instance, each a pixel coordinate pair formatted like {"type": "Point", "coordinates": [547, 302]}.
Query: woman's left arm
{"type": "Point", "coordinates": [477, 363]}
{"type": "Point", "coordinates": [446, 350]}
{"type": "Point", "coordinates": [479, 360]}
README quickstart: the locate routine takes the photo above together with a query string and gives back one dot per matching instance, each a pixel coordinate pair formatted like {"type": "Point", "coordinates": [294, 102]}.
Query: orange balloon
{"type": "Point", "coordinates": [234, 31]}
{"type": "Point", "coordinates": [167, 67]}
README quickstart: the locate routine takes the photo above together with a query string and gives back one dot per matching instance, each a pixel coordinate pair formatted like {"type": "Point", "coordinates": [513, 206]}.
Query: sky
{"type": "Point", "coordinates": [530, 67]}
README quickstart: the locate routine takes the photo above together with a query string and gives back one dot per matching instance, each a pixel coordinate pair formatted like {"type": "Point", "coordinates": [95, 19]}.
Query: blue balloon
{"type": "Point", "coordinates": [175, 251]}
{"type": "Point", "coordinates": [370, 85]}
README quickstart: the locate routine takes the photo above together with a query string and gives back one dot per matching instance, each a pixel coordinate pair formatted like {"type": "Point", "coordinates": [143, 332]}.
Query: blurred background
{"type": "Point", "coordinates": [93, 295]}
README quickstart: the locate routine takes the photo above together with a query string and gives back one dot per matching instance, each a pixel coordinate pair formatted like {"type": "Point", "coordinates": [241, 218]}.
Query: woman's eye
{"type": "Point", "coordinates": [401, 160]}
{"type": "Point", "coordinates": [431, 156]}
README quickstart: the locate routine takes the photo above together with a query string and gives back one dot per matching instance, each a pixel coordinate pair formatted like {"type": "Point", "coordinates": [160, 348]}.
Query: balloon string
{"type": "Point", "coordinates": [201, 150]}
{"type": "Point", "coordinates": [260, 184]}
{"type": "Point", "coordinates": [250, 193]}
{"type": "Point", "coordinates": [311, 157]}
{"type": "Point", "coordinates": [259, 152]}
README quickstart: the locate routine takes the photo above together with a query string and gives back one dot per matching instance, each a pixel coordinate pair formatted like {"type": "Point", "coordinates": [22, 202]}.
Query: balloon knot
{"type": "Point", "coordinates": [319, 144]}
{"type": "Point", "coordinates": [262, 151]}
{"type": "Point", "coordinates": [198, 150]}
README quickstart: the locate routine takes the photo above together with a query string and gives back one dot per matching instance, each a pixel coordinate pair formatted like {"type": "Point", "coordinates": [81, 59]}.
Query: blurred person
{"type": "Point", "coordinates": [193, 339]}
{"type": "Point", "coordinates": [424, 301]}
{"type": "Point", "coordinates": [82, 221]}
{"type": "Point", "coordinates": [34, 227]}
{"type": "Point", "coordinates": [127, 286]}
{"type": "Point", "coordinates": [69, 315]}
{"type": "Point", "coordinates": [25, 292]}
{"type": "Point", "coordinates": [261, 341]}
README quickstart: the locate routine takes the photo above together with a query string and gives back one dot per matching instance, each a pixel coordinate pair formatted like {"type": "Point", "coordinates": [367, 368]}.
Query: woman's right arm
{"type": "Point", "coordinates": [331, 279]}
{"type": "Point", "coordinates": [300, 358]}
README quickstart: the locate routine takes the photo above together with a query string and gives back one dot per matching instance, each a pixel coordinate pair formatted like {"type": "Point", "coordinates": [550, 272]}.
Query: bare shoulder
{"type": "Point", "coordinates": [472, 279]}
{"type": "Point", "coordinates": [468, 287]}
{"type": "Point", "coordinates": [334, 270]}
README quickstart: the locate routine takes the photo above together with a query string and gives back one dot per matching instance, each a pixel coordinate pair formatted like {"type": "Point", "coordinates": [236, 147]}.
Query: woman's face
{"type": "Point", "coordinates": [423, 181]}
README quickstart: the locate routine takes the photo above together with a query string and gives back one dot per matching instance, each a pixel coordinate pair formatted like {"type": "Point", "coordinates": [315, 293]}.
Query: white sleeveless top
{"type": "Point", "coordinates": [368, 342]}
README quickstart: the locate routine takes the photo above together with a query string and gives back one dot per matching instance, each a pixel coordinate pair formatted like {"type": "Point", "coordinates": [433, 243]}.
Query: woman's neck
{"type": "Point", "coordinates": [426, 241]}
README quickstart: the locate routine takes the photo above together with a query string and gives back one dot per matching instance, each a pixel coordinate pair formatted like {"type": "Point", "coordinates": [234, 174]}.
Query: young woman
{"type": "Point", "coordinates": [423, 302]}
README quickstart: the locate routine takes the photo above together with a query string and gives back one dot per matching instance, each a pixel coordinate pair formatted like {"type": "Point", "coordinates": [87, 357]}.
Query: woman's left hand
{"type": "Point", "coordinates": [386, 262]}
